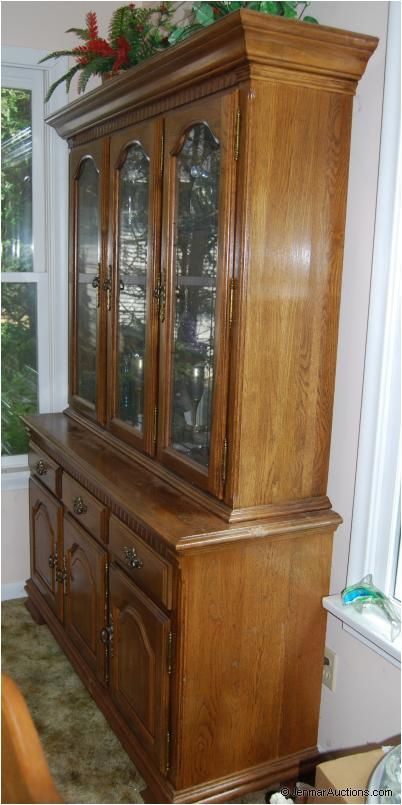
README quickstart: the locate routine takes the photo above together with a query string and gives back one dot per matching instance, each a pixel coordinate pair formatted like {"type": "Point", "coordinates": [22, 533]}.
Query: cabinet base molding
{"type": "Point", "coordinates": [226, 789]}
{"type": "Point", "coordinates": [34, 612]}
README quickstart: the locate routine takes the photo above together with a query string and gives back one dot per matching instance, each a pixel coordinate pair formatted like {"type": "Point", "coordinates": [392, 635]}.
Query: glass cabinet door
{"type": "Point", "coordinates": [87, 393]}
{"type": "Point", "coordinates": [198, 277]}
{"type": "Point", "coordinates": [136, 191]}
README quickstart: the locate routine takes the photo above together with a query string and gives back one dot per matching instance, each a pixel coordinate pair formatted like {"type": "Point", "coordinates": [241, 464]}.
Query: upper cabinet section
{"type": "Point", "coordinates": [208, 201]}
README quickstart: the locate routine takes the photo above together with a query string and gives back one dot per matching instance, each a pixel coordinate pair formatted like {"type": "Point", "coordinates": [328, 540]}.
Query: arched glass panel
{"type": "Point", "coordinates": [132, 283]}
{"type": "Point", "coordinates": [195, 267]}
{"type": "Point", "coordinates": [88, 257]}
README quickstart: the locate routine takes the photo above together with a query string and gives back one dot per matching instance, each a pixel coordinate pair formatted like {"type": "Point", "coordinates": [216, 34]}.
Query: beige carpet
{"type": "Point", "coordinates": [86, 760]}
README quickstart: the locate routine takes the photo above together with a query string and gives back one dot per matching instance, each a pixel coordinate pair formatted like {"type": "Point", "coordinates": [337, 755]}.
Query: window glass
{"type": "Point", "coordinates": [19, 371]}
{"type": "Point", "coordinates": [16, 180]}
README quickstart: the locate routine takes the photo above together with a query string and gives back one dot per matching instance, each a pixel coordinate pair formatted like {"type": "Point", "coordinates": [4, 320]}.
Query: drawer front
{"type": "Point", "coordinates": [86, 509]}
{"type": "Point", "coordinates": [44, 468]}
{"type": "Point", "coordinates": [152, 573]}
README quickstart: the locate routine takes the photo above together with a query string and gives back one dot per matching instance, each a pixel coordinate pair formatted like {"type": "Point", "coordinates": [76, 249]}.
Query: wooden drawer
{"type": "Point", "coordinates": [44, 468]}
{"type": "Point", "coordinates": [152, 573]}
{"type": "Point", "coordinates": [86, 509]}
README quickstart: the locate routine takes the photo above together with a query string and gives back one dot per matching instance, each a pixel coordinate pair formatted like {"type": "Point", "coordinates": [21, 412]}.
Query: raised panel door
{"type": "Point", "coordinates": [135, 211]}
{"type": "Point", "coordinates": [139, 678]}
{"type": "Point", "coordinates": [85, 595]}
{"type": "Point", "coordinates": [88, 279]}
{"type": "Point", "coordinates": [197, 268]}
{"type": "Point", "coordinates": [46, 541]}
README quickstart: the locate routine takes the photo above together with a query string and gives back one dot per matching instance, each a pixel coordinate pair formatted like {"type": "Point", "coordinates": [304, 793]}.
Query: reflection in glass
{"type": "Point", "coordinates": [16, 180]}
{"type": "Point", "coordinates": [19, 370]}
{"type": "Point", "coordinates": [132, 264]}
{"type": "Point", "coordinates": [87, 271]}
{"type": "Point", "coordinates": [195, 264]}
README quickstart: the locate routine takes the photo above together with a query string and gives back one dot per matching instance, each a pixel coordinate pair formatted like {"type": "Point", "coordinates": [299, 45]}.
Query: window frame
{"type": "Point", "coordinates": [20, 70]}
{"type": "Point", "coordinates": [374, 544]}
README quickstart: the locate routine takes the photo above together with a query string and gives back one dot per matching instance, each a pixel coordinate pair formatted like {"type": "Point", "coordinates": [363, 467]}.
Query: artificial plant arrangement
{"type": "Point", "coordinates": [136, 33]}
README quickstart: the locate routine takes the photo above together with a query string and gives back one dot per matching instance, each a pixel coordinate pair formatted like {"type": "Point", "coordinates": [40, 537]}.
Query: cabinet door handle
{"type": "Point", "coordinates": [106, 634]}
{"type": "Point", "coordinates": [107, 286]}
{"type": "Point", "coordinates": [96, 284]}
{"type": "Point", "coordinates": [52, 561]}
{"type": "Point", "coordinates": [79, 507]}
{"type": "Point", "coordinates": [41, 468]}
{"type": "Point", "coordinates": [131, 558]}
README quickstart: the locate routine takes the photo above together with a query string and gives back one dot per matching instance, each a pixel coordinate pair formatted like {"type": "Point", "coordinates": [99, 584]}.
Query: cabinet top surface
{"type": "Point", "coordinates": [152, 502]}
{"type": "Point", "coordinates": [243, 45]}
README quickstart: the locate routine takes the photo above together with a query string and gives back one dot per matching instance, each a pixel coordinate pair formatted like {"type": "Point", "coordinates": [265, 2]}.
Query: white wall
{"type": "Point", "coordinates": [364, 706]}
{"type": "Point", "coordinates": [14, 543]}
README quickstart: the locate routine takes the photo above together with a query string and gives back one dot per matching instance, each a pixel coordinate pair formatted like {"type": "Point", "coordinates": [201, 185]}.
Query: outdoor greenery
{"type": "Point", "coordinates": [136, 34]}
{"type": "Point", "coordinates": [18, 322]}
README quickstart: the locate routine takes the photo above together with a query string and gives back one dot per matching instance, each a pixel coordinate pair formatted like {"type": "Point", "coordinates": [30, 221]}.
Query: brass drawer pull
{"type": "Point", "coordinates": [131, 558]}
{"type": "Point", "coordinates": [79, 507]}
{"type": "Point", "coordinates": [41, 467]}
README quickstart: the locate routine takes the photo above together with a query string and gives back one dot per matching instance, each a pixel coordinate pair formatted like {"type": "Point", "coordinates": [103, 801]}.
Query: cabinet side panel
{"type": "Point", "coordinates": [293, 224]}
{"type": "Point", "coordinates": [254, 638]}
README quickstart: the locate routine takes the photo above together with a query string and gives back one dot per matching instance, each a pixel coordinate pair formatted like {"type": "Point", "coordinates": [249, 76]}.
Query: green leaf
{"type": "Point", "coordinates": [56, 54]}
{"type": "Point", "coordinates": [289, 11]}
{"type": "Point", "coordinates": [67, 77]}
{"type": "Point", "coordinates": [311, 20]}
{"type": "Point", "coordinates": [204, 14]}
{"type": "Point", "coordinates": [82, 33]}
{"type": "Point", "coordinates": [270, 8]}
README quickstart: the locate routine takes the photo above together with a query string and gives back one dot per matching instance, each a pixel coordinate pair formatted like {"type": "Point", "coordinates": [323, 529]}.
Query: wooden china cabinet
{"type": "Point", "coordinates": [181, 532]}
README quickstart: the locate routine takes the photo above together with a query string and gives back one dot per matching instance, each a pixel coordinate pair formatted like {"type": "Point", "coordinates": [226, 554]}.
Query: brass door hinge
{"type": "Point", "coordinates": [162, 155]}
{"type": "Point", "coordinates": [232, 288]}
{"type": "Point", "coordinates": [106, 611]}
{"type": "Point", "coordinates": [170, 657]}
{"type": "Point", "coordinates": [224, 459]}
{"type": "Point", "coordinates": [155, 426]}
{"type": "Point", "coordinates": [168, 749]}
{"type": "Point", "coordinates": [237, 136]}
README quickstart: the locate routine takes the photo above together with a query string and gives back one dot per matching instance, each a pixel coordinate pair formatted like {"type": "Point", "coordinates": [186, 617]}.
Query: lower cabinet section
{"type": "Point", "coordinates": [85, 610]}
{"type": "Point", "coordinates": [203, 650]}
{"type": "Point", "coordinates": [140, 664]}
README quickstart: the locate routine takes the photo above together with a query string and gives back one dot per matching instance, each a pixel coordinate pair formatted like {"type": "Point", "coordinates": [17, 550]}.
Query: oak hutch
{"type": "Point", "coordinates": [180, 529]}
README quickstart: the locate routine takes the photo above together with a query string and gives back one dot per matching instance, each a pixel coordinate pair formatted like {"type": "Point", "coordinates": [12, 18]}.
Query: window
{"type": "Point", "coordinates": [24, 279]}
{"type": "Point", "coordinates": [34, 263]}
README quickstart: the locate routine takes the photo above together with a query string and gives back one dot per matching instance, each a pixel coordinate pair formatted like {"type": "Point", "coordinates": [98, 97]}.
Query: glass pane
{"type": "Point", "coordinates": [195, 260]}
{"type": "Point", "coordinates": [16, 178]}
{"type": "Point", "coordinates": [133, 263]}
{"type": "Point", "coordinates": [88, 279]}
{"type": "Point", "coordinates": [19, 371]}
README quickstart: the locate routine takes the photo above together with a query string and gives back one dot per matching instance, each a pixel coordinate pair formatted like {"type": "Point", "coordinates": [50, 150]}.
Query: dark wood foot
{"type": "Point", "coordinates": [148, 796]}
{"type": "Point", "coordinates": [34, 612]}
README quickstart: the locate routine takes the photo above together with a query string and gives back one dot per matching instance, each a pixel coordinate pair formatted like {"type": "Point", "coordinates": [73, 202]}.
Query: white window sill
{"type": "Point", "coordinates": [13, 478]}
{"type": "Point", "coordinates": [369, 629]}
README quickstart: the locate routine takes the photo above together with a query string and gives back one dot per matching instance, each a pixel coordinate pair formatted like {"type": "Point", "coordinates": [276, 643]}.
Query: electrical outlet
{"type": "Point", "coordinates": [329, 669]}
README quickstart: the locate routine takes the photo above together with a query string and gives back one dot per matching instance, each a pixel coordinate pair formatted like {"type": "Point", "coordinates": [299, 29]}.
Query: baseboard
{"type": "Point", "coordinates": [14, 590]}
